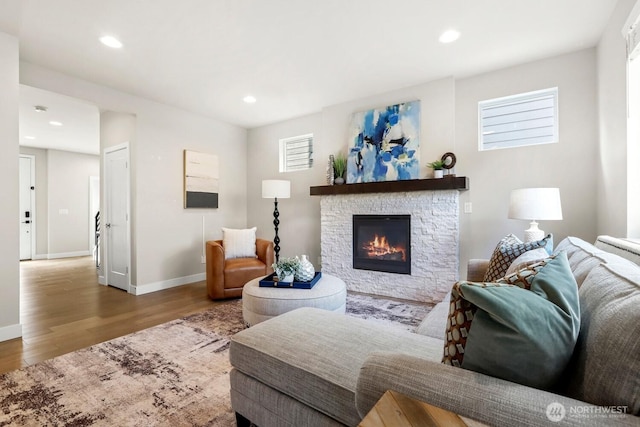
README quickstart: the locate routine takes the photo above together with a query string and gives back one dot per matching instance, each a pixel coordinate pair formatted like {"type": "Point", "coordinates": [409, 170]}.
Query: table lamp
{"type": "Point", "coordinates": [272, 189]}
{"type": "Point", "coordinates": [535, 204]}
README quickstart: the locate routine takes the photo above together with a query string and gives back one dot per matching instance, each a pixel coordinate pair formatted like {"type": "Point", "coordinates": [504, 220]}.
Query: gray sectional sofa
{"type": "Point", "coordinates": [311, 367]}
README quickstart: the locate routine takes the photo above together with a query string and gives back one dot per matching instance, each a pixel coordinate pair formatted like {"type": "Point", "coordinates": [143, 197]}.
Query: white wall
{"type": "Point", "coordinates": [449, 123]}
{"type": "Point", "coordinates": [612, 108]}
{"type": "Point", "coordinates": [9, 241]}
{"type": "Point", "coordinates": [300, 215]}
{"type": "Point", "coordinates": [168, 237]}
{"type": "Point", "coordinates": [299, 228]}
{"type": "Point", "coordinates": [68, 204]}
{"type": "Point", "coordinates": [569, 164]}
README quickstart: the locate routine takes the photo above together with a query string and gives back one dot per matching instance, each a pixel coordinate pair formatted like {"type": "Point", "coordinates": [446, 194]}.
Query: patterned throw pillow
{"type": "Point", "coordinates": [522, 328]}
{"type": "Point", "coordinates": [507, 250]}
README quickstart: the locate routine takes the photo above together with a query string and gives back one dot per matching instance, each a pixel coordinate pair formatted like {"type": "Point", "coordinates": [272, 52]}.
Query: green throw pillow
{"type": "Point", "coordinates": [522, 335]}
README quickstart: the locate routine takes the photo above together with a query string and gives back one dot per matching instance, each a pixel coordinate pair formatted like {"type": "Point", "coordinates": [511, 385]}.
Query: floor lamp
{"type": "Point", "coordinates": [272, 189]}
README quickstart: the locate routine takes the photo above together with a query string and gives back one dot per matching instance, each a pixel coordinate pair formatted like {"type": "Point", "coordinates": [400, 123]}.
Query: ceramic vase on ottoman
{"type": "Point", "coordinates": [305, 271]}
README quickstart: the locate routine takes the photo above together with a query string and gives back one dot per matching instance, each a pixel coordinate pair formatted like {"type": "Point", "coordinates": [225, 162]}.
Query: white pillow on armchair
{"type": "Point", "coordinates": [239, 243]}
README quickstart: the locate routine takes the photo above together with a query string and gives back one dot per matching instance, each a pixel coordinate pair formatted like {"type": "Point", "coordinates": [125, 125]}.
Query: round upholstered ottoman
{"type": "Point", "coordinates": [260, 304]}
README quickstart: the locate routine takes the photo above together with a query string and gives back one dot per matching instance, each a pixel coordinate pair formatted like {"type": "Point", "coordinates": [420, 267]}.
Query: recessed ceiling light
{"type": "Point", "coordinates": [29, 137]}
{"type": "Point", "coordinates": [55, 123]}
{"type": "Point", "coordinates": [449, 36]}
{"type": "Point", "coordinates": [249, 99]}
{"type": "Point", "coordinates": [111, 42]}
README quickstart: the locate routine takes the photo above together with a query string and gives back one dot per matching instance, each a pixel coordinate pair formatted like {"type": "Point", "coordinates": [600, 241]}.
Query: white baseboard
{"type": "Point", "coordinates": [40, 256]}
{"type": "Point", "coordinates": [68, 254]}
{"type": "Point", "coordinates": [102, 280]}
{"type": "Point", "coordinates": [166, 284]}
{"type": "Point", "coordinates": [10, 332]}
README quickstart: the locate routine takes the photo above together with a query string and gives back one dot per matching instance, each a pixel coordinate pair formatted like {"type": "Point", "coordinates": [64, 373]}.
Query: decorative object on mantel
{"type": "Point", "coordinates": [200, 180]}
{"type": "Point", "coordinates": [339, 168]}
{"type": "Point", "coordinates": [535, 204]}
{"type": "Point", "coordinates": [286, 269]}
{"type": "Point", "coordinates": [385, 144]}
{"type": "Point", "coordinates": [449, 160]}
{"type": "Point", "coordinates": [305, 271]}
{"type": "Point", "coordinates": [438, 168]}
{"type": "Point", "coordinates": [272, 189]}
{"type": "Point", "coordinates": [330, 171]}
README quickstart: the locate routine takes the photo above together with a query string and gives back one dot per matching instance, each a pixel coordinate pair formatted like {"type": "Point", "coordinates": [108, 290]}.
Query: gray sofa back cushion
{"type": "Point", "coordinates": [606, 365]}
{"type": "Point", "coordinates": [583, 257]}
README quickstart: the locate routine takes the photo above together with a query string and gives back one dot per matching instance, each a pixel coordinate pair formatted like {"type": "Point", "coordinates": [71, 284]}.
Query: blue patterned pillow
{"type": "Point", "coordinates": [507, 250]}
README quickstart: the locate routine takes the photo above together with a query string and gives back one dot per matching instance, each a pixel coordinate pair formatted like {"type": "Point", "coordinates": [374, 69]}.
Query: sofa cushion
{"type": "Point", "coordinates": [239, 243]}
{"type": "Point", "coordinates": [434, 323]}
{"type": "Point", "coordinates": [583, 257]}
{"type": "Point", "coordinates": [605, 369]}
{"type": "Point", "coordinates": [524, 336]}
{"type": "Point", "coordinates": [318, 354]}
{"type": "Point", "coordinates": [507, 250]}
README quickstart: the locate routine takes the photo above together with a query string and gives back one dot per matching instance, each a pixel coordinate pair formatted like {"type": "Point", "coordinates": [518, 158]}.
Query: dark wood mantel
{"type": "Point", "coordinates": [447, 183]}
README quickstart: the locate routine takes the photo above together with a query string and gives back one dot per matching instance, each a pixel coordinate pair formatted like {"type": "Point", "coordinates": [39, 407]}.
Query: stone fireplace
{"type": "Point", "coordinates": [434, 238]}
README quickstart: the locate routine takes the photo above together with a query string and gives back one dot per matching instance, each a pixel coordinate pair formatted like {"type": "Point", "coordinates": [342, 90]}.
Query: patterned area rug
{"type": "Point", "coordinates": [174, 374]}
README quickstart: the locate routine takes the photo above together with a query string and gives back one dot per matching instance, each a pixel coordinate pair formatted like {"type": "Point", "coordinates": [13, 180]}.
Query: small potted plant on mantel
{"type": "Point", "coordinates": [438, 168]}
{"type": "Point", "coordinates": [339, 168]}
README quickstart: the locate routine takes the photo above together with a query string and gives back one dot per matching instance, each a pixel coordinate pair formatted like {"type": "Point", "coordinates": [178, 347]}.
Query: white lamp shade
{"type": "Point", "coordinates": [535, 204]}
{"type": "Point", "coordinates": [276, 188]}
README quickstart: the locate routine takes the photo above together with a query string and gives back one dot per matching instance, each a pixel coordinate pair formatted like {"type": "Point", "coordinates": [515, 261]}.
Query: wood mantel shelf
{"type": "Point", "coordinates": [447, 183]}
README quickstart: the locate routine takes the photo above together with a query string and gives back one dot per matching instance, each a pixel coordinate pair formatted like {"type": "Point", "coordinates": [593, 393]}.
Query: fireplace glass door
{"type": "Point", "coordinates": [382, 243]}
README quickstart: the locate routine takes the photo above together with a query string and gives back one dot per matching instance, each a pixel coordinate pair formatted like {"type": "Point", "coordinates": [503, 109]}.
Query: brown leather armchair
{"type": "Point", "coordinates": [225, 278]}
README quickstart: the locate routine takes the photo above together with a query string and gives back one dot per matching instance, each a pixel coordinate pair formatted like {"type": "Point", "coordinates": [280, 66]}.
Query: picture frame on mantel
{"type": "Point", "coordinates": [384, 144]}
{"type": "Point", "coordinates": [201, 180]}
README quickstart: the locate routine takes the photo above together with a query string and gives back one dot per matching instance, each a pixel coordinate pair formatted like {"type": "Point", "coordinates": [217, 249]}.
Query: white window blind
{"type": "Point", "coordinates": [518, 120]}
{"type": "Point", "coordinates": [296, 153]}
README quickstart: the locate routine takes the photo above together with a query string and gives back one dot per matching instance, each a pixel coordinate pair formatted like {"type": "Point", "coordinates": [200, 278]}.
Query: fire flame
{"type": "Point", "coordinates": [379, 247]}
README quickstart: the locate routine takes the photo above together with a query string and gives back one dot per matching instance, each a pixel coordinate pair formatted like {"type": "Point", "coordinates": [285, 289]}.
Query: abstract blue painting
{"type": "Point", "coordinates": [385, 144]}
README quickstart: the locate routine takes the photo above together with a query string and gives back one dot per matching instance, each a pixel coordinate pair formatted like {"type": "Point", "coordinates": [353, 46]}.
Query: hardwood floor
{"type": "Point", "coordinates": [63, 309]}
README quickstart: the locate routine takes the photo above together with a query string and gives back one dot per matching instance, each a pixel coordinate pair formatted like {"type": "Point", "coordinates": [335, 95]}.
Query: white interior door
{"type": "Point", "coordinates": [116, 219]}
{"type": "Point", "coordinates": [27, 204]}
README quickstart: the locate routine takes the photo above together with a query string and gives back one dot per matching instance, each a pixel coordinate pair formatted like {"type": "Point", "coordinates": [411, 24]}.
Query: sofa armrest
{"type": "Point", "coordinates": [265, 252]}
{"type": "Point", "coordinates": [476, 268]}
{"type": "Point", "coordinates": [215, 269]}
{"type": "Point", "coordinates": [471, 394]}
